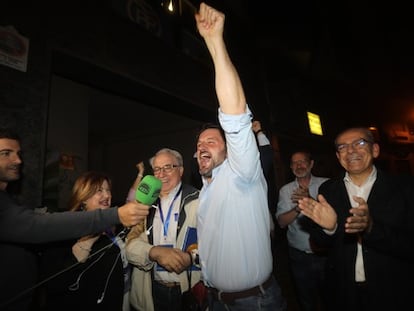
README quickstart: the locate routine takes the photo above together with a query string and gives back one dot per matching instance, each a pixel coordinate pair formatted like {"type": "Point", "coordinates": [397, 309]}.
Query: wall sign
{"type": "Point", "coordinates": [14, 48]}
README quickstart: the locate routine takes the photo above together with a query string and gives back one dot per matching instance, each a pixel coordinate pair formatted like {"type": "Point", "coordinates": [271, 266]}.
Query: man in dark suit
{"type": "Point", "coordinates": [364, 219]}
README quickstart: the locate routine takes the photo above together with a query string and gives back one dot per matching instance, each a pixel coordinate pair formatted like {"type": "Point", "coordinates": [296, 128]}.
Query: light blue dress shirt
{"type": "Point", "coordinates": [233, 216]}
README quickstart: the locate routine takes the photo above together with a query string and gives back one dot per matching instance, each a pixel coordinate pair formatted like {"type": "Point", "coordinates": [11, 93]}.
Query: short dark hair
{"type": "Point", "coordinates": [207, 126]}
{"type": "Point", "coordinates": [9, 133]}
{"type": "Point", "coordinates": [364, 130]}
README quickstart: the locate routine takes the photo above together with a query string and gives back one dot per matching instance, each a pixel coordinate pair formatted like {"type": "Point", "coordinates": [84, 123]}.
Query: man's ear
{"type": "Point", "coordinates": [375, 150]}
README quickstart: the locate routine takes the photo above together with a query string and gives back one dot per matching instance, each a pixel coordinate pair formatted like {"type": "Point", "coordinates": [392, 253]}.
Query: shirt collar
{"type": "Point", "coordinates": [174, 191]}
{"type": "Point", "coordinates": [371, 177]}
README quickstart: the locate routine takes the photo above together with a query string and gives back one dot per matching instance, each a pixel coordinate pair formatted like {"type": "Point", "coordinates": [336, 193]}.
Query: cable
{"type": "Point", "coordinates": [107, 280]}
{"type": "Point", "coordinates": [75, 286]}
{"type": "Point", "coordinates": [120, 235]}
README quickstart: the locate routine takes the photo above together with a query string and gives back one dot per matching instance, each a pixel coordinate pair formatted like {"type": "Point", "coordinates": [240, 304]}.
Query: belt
{"type": "Point", "coordinates": [168, 284]}
{"type": "Point", "coordinates": [229, 298]}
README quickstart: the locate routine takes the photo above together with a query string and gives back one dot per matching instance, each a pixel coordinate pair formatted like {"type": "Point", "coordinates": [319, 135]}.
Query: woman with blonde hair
{"type": "Point", "coordinates": [99, 279]}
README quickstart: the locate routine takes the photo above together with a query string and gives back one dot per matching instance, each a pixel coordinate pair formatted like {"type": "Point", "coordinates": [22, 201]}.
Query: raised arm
{"type": "Point", "coordinates": [131, 193]}
{"type": "Point", "coordinates": [230, 94]}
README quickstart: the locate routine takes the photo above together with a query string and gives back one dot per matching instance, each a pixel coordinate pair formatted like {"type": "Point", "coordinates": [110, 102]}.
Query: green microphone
{"type": "Point", "coordinates": [148, 190]}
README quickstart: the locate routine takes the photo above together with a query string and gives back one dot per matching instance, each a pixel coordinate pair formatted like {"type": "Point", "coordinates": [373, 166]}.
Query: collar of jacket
{"type": "Point", "coordinates": [189, 193]}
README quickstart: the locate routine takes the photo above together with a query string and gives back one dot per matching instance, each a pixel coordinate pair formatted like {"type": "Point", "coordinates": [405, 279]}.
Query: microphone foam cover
{"type": "Point", "coordinates": [148, 190]}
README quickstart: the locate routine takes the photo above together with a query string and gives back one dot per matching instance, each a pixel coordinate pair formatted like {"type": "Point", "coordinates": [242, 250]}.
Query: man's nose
{"type": "Point", "coordinates": [16, 159]}
{"type": "Point", "coordinates": [201, 146]}
{"type": "Point", "coordinates": [351, 148]}
{"type": "Point", "coordinates": [161, 172]}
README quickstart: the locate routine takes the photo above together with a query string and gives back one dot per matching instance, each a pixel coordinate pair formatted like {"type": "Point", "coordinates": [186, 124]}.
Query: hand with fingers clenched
{"type": "Point", "coordinates": [171, 259]}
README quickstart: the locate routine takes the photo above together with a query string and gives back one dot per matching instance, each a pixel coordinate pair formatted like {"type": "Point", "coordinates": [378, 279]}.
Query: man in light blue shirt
{"type": "Point", "coordinates": [306, 266]}
{"type": "Point", "coordinates": [233, 218]}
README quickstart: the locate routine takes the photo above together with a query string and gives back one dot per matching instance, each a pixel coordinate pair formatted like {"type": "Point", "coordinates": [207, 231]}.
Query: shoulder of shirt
{"type": "Point", "coordinates": [289, 185]}
{"type": "Point", "coordinates": [319, 178]}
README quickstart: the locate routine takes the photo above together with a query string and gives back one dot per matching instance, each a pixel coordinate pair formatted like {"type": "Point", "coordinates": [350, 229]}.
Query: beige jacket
{"type": "Point", "coordinates": [137, 251]}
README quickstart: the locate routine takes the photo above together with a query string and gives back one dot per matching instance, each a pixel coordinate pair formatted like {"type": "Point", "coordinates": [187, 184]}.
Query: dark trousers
{"type": "Point", "coordinates": [361, 297]}
{"type": "Point", "coordinates": [166, 298]}
{"type": "Point", "coordinates": [308, 271]}
{"type": "Point", "coordinates": [270, 299]}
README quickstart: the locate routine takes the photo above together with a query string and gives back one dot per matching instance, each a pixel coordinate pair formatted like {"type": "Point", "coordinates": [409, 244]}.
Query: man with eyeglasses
{"type": "Point", "coordinates": [364, 219]}
{"type": "Point", "coordinates": [158, 253]}
{"type": "Point", "coordinates": [306, 262]}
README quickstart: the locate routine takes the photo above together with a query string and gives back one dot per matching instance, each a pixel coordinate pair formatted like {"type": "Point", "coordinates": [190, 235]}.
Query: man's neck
{"type": "Point", "coordinates": [304, 181]}
{"type": "Point", "coordinates": [164, 194]}
{"type": "Point", "coordinates": [360, 178]}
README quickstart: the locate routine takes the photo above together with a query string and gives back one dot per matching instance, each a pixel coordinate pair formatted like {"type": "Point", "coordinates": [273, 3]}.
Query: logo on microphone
{"type": "Point", "coordinates": [144, 188]}
{"type": "Point", "coordinates": [148, 190]}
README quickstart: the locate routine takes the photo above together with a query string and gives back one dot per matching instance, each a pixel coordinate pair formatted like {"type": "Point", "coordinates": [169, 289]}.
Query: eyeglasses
{"type": "Point", "coordinates": [357, 145]}
{"type": "Point", "coordinates": [168, 168]}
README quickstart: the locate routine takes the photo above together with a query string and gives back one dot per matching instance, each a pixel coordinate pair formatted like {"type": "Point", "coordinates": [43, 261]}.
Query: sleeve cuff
{"type": "Point", "coordinates": [331, 232]}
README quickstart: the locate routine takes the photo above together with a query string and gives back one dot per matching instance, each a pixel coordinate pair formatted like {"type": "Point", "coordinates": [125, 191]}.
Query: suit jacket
{"type": "Point", "coordinates": [388, 249]}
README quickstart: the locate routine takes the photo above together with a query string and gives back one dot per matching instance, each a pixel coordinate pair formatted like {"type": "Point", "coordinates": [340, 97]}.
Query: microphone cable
{"type": "Point", "coordinates": [3, 304]}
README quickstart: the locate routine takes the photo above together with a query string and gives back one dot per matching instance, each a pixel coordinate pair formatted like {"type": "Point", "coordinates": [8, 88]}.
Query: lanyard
{"type": "Point", "coordinates": [166, 222]}
{"type": "Point", "coordinates": [111, 236]}
{"type": "Point", "coordinates": [118, 242]}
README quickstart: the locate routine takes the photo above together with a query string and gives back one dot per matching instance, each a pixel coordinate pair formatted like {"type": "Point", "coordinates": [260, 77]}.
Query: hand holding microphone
{"type": "Point", "coordinates": [147, 193]}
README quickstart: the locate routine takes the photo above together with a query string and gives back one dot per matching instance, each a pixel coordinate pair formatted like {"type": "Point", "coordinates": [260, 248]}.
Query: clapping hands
{"type": "Point", "coordinates": [299, 194]}
{"type": "Point", "coordinates": [322, 213]}
{"type": "Point", "coordinates": [359, 220]}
